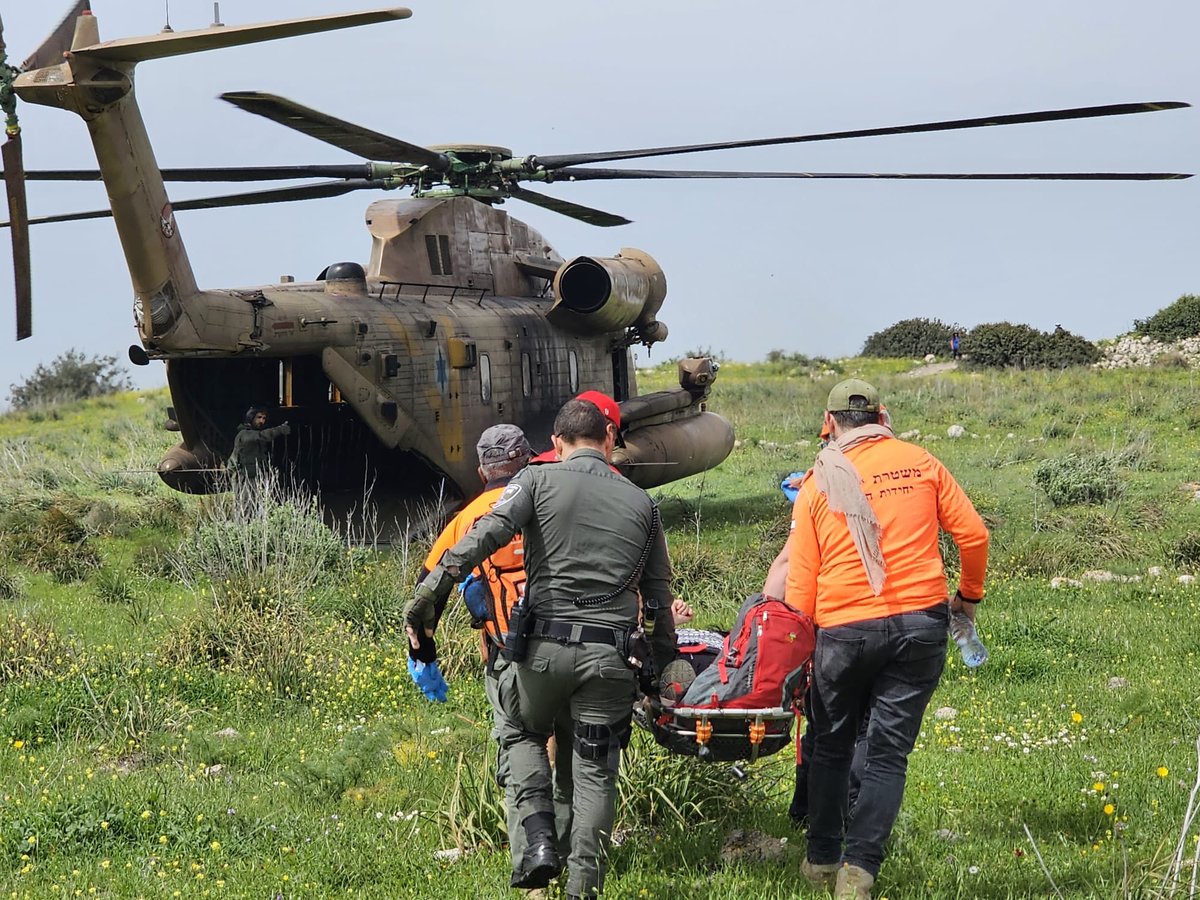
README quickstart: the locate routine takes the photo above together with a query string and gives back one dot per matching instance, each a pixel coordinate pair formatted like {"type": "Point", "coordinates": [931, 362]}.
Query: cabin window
{"type": "Point", "coordinates": [485, 378]}
{"type": "Point", "coordinates": [438, 248]}
{"type": "Point", "coordinates": [526, 375]}
{"type": "Point", "coordinates": [573, 371]}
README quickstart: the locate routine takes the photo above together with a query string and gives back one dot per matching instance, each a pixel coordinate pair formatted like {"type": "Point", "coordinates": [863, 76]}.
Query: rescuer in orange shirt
{"type": "Point", "coordinates": [863, 561]}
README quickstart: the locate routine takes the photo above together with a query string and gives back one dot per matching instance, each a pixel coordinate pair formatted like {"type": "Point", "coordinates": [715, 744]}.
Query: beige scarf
{"type": "Point", "coordinates": [839, 481]}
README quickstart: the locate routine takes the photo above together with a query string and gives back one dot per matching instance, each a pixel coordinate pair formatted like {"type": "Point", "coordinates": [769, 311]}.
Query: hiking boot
{"type": "Point", "coordinates": [539, 866]}
{"type": "Point", "coordinates": [853, 883]}
{"type": "Point", "coordinates": [820, 875]}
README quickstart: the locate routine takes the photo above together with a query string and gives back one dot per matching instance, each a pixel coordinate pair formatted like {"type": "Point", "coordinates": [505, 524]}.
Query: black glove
{"type": "Point", "coordinates": [426, 649]}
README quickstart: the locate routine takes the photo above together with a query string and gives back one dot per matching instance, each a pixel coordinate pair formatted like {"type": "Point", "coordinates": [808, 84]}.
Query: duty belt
{"type": "Point", "coordinates": [578, 633]}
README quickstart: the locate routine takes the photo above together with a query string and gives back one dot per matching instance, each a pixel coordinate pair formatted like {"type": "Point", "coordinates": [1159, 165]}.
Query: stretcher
{"type": "Point", "coordinates": [717, 735]}
{"type": "Point", "coordinates": [708, 732]}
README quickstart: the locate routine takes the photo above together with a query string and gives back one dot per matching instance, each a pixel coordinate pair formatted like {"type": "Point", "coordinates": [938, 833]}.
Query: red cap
{"type": "Point", "coordinates": [550, 456]}
{"type": "Point", "coordinates": [606, 405]}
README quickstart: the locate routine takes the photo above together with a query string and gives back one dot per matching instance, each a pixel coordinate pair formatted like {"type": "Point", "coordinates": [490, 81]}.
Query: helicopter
{"type": "Point", "coordinates": [464, 316]}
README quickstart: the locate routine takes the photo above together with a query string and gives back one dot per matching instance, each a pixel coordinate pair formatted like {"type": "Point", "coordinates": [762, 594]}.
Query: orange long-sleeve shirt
{"type": "Point", "coordinates": [912, 494]}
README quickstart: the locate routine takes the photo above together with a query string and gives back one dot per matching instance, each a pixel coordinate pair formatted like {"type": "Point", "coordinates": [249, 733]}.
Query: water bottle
{"type": "Point", "coordinates": [962, 629]}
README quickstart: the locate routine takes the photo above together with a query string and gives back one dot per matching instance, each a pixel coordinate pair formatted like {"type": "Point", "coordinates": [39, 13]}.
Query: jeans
{"type": "Point", "coordinates": [886, 669]}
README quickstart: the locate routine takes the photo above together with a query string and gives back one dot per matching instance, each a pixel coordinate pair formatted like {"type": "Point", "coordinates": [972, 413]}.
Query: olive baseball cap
{"type": "Point", "coordinates": [842, 397]}
{"type": "Point", "coordinates": [502, 443]}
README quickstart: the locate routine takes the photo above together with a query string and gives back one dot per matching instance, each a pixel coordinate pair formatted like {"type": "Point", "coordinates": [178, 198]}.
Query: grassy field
{"type": "Point", "coordinates": [193, 707]}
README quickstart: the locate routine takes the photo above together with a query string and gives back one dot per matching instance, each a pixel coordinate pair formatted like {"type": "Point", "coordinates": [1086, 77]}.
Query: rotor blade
{"type": "Point", "coordinates": [579, 174]}
{"type": "Point", "coordinates": [50, 53]}
{"type": "Point", "coordinates": [175, 43]}
{"type": "Point", "coordinates": [15, 188]}
{"type": "Point", "coordinates": [353, 138]}
{"type": "Point", "coordinates": [226, 173]}
{"type": "Point", "coordinates": [251, 198]}
{"type": "Point", "coordinates": [1052, 115]}
{"type": "Point", "coordinates": [574, 210]}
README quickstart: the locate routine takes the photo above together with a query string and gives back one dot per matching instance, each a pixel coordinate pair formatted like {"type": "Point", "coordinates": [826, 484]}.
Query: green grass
{"type": "Point", "coordinates": [165, 739]}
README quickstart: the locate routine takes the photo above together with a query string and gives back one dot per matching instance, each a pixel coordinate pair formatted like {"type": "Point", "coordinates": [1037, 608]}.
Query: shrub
{"type": "Point", "coordinates": [53, 541]}
{"type": "Point", "coordinates": [1185, 552]}
{"type": "Point", "coordinates": [272, 645]}
{"type": "Point", "coordinates": [911, 338]}
{"type": "Point", "coordinates": [1076, 478]}
{"type": "Point", "coordinates": [30, 648]}
{"type": "Point", "coordinates": [1004, 345]}
{"type": "Point", "coordinates": [1179, 320]}
{"type": "Point", "coordinates": [71, 376]}
{"type": "Point", "coordinates": [268, 545]}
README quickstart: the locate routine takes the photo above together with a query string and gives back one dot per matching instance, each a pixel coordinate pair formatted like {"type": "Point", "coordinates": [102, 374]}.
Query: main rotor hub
{"type": "Point", "coordinates": [474, 153]}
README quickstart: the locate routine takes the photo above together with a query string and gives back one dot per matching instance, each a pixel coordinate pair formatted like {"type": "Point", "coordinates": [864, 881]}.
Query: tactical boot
{"type": "Point", "coordinates": [853, 883]}
{"type": "Point", "coordinates": [820, 875]}
{"type": "Point", "coordinates": [540, 863]}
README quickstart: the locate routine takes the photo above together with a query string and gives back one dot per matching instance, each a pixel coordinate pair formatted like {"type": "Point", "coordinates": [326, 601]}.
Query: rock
{"type": "Point", "coordinates": [1155, 572]}
{"type": "Point", "coordinates": [1059, 582]}
{"type": "Point", "coordinates": [945, 713]}
{"type": "Point", "coordinates": [910, 435]}
{"type": "Point", "coordinates": [930, 358]}
{"type": "Point", "coordinates": [214, 770]}
{"type": "Point", "coordinates": [955, 431]}
{"type": "Point", "coordinates": [947, 835]}
{"type": "Point", "coordinates": [1186, 579]}
{"type": "Point", "coordinates": [752, 846]}
{"type": "Point", "coordinates": [1105, 576]}
{"type": "Point", "coordinates": [450, 854]}
{"type": "Point", "coordinates": [227, 733]}
{"type": "Point", "coordinates": [1117, 682]}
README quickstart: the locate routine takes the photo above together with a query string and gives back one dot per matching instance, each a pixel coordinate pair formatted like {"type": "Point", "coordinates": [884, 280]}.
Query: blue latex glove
{"type": "Point", "coordinates": [428, 677]}
{"type": "Point", "coordinates": [791, 486]}
{"type": "Point", "coordinates": [474, 593]}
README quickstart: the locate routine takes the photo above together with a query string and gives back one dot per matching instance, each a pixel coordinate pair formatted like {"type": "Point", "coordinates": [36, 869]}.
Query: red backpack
{"type": "Point", "coordinates": [769, 641]}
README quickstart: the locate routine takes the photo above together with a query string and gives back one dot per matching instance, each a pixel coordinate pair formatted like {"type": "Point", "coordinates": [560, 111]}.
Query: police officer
{"type": "Point", "coordinates": [499, 582]}
{"type": "Point", "coordinates": [592, 542]}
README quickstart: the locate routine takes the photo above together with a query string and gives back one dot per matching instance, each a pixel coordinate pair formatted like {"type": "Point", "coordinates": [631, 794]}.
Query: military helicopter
{"type": "Point", "coordinates": [464, 316]}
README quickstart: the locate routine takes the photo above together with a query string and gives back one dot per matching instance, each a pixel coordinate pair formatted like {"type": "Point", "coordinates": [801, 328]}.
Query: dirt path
{"type": "Point", "coordinates": [931, 369]}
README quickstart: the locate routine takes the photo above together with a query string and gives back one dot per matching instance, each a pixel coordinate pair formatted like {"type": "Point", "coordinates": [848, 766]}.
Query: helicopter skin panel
{"type": "Point", "coordinates": [160, 46]}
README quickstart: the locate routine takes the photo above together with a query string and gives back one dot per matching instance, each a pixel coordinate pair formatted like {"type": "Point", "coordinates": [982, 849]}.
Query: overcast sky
{"type": "Point", "coordinates": [809, 266]}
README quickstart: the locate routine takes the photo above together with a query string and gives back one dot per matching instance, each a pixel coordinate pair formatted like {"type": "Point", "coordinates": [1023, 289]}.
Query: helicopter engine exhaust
{"type": "Point", "coordinates": [596, 295]}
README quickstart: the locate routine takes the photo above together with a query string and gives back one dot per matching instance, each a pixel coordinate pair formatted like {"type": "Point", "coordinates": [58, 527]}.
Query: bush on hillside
{"type": "Point", "coordinates": [1179, 320]}
{"type": "Point", "coordinates": [1082, 478]}
{"type": "Point", "coordinates": [796, 363]}
{"type": "Point", "coordinates": [71, 376]}
{"type": "Point", "coordinates": [911, 338]}
{"type": "Point", "coordinates": [1003, 345]}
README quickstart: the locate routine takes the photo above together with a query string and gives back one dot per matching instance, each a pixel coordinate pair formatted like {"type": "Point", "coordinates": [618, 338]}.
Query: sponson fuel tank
{"type": "Point", "coordinates": [669, 435]}
{"type": "Point", "coordinates": [657, 454]}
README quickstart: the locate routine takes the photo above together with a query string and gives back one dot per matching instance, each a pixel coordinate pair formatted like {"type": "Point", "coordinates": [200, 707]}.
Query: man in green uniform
{"type": "Point", "coordinates": [251, 456]}
{"type": "Point", "coordinates": [592, 542]}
